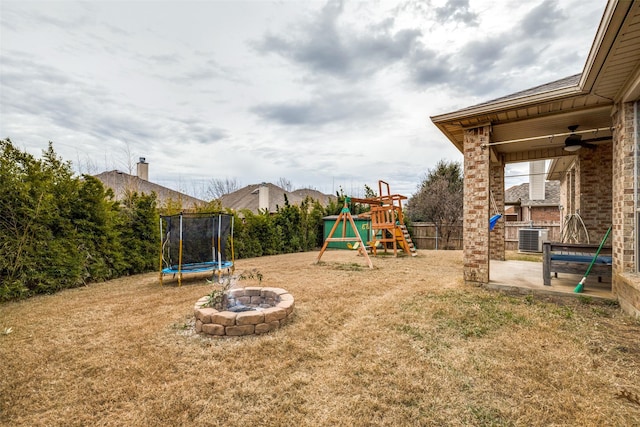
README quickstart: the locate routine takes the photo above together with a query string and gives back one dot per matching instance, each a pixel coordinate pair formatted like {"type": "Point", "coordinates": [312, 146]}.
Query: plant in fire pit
{"type": "Point", "coordinates": [217, 298]}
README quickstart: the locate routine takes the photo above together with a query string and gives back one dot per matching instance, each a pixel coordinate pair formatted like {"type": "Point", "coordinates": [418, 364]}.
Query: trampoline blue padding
{"type": "Point", "coordinates": [198, 267]}
{"type": "Point", "coordinates": [582, 258]}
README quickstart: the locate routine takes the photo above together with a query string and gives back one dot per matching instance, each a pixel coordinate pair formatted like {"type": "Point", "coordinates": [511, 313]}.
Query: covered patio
{"type": "Point", "coordinates": [526, 277]}
{"type": "Point", "coordinates": [587, 125]}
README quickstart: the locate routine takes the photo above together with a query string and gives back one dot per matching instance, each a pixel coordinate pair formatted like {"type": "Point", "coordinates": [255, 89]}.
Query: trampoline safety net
{"type": "Point", "coordinates": [195, 242]}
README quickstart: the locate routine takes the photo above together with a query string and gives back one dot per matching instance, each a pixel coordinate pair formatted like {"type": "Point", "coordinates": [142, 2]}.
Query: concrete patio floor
{"type": "Point", "coordinates": [526, 276]}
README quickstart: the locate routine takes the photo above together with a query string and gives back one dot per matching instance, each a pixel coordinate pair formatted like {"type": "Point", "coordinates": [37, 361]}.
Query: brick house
{"type": "Point", "coordinates": [520, 206]}
{"type": "Point", "coordinates": [597, 163]}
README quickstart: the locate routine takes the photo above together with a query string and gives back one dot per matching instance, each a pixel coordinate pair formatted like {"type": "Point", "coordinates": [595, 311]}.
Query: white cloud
{"type": "Point", "coordinates": [324, 94]}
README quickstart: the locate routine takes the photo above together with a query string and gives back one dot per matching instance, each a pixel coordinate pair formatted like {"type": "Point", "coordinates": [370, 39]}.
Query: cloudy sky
{"type": "Point", "coordinates": [323, 94]}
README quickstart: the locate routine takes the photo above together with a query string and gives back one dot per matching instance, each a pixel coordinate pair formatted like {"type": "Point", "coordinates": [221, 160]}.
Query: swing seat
{"type": "Point", "coordinates": [493, 220]}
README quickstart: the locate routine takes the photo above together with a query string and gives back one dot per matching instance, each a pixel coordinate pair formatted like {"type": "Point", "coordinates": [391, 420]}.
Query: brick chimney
{"type": "Point", "coordinates": [143, 169]}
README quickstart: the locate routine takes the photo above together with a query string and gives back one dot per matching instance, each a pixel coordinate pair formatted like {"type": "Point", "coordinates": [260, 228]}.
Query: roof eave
{"type": "Point", "coordinates": [614, 15]}
{"type": "Point", "coordinates": [499, 106]}
{"type": "Point", "coordinates": [492, 108]}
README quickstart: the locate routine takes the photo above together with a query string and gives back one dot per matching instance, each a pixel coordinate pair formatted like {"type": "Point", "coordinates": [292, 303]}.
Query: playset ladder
{"type": "Point", "coordinates": [404, 238]}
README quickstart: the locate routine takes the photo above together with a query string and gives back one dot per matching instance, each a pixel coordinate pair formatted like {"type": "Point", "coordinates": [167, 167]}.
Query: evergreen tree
{"type": "Point", "coordinates": [288, 223]}
{"type": "Point", "coordinates": [139, 225]}
{"type": "Point", "coordinates": [39, 242]}
{"type": "Point", "coordinates": [95, 214]}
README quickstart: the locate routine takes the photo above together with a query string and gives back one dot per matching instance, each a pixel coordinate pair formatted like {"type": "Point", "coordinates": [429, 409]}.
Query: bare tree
{"type": "Point", "coordinates": [127, 159]}
{"type": "Point", "coordinates": [131, 184]}
{"type": "Point", "coordinates": [219, 187]}
{"type": "Point", "coordinates": [439, 198]}
{"type": "Point", "coordinates": [285, 184]}
{"type": "Point", "coordinates": [86, 166]}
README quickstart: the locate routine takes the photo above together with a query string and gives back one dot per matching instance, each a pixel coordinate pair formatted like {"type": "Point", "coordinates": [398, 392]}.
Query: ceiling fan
{"type": "Point", "coordinates": [574, 141]}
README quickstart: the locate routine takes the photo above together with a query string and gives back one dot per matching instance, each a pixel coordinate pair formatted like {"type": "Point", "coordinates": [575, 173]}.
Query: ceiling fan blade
{"type": "Point", "coordinates": [600, 138]}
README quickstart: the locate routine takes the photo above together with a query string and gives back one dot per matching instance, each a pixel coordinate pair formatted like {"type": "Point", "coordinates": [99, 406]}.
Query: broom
{"type": "Point", "coordinates": [580, 286]}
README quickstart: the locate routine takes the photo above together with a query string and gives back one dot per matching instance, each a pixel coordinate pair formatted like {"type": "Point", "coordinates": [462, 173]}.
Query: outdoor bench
{"type": "Point", "coordinates": [574, 258]}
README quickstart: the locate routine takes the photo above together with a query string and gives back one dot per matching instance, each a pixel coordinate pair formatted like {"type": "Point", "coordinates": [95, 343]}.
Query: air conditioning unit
{"type": "Point", "coordinates": [530, 239]}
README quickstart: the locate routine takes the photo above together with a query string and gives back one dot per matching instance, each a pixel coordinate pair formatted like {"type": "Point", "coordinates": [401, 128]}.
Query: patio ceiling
{"type": "Point", "coordinates": [533, 124]}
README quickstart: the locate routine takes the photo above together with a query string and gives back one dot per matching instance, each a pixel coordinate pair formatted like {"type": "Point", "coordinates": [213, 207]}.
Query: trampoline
{"type": "Point", "coordinates": [196, 243]}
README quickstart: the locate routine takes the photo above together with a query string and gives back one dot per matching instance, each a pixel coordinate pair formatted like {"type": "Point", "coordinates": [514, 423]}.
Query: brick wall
{"type": "Point", "coordinates": [623, 215]}
{"type": "Point", "coordinates": [476, 205]}
{"type": "Point", "coordinates": [626, 282]}
{"type": "Point", "coordinates": [564, 203]}
{"type": "Point", "coordinates": [496, 236]}
{"type": "Point", "coordinates": [545, 214]}
{"type": "Point", "coordinates": [567, 191]}
{"type": "Point", "coordinates": [586, 188]}
{"type": "Point", "coordinates": [595, 171]}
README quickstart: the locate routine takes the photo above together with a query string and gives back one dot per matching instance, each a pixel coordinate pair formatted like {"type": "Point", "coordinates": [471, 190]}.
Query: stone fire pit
{"type": "Point", "coordinates": [248, 311]}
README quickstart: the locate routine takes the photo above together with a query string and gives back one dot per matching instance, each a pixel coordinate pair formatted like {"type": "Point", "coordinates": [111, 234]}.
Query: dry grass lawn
{"type": "Point", "coordinates": [404, 344]}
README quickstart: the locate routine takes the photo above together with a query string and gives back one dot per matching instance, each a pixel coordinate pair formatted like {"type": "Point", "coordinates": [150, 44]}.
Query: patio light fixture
{"type": "Point", "coordinates": [572, 148]}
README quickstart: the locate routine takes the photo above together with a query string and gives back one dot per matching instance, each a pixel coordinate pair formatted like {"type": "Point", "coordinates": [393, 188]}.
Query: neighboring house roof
{"type": "Point", "coordinates": [519, 195]}
{"type": "Point", "coordinates": [315, 195]}
{"type": "Point", "coordinates": [121, 183]}
{"type": "Point", "coordinates": [249, 197]}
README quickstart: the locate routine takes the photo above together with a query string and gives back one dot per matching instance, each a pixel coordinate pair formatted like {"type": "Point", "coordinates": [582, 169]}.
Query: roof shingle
{"type": "Point", "coordinates": [519, 194]}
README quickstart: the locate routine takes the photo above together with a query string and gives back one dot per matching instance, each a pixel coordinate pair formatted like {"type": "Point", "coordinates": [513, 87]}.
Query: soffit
{"type": "Point", "coordinates": [612, 70]}
{"type": "Point", "coordinates": [558, 167]}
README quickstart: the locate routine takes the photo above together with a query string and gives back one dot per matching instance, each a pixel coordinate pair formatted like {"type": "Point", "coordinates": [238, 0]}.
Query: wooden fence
{"type": "Point", "coordinates": [424, 234]}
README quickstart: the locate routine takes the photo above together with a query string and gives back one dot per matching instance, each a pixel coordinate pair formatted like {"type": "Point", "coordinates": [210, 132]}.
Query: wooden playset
{"type": "Point", "coordinates": [387, 225]}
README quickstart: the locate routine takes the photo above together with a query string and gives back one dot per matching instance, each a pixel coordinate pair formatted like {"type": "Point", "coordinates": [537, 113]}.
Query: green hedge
{"type": "Point", "coordinates": [60, 231]}
{"type": "Point", "coordinates": [291, 229]}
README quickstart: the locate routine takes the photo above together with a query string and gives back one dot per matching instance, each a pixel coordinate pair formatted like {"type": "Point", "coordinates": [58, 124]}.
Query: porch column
{"type": "Point", "coordinates": [476, 205]}
{"type": "Point", "coordinates": [497, 234]}
{"type": "Point", "coordinates": [626, 282]}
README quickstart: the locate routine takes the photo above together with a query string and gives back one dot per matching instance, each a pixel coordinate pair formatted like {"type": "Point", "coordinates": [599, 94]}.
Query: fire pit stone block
{"type": "Point", "coordinates": [249, 318]}
{"type": "Point", "coordinates": [204, 314]}
{"type": "Point", "coordinates": [235, 331]}
{"type": "Point", "coordinates": [213, 329]}
{"type": "Point", "coordinates": [224, 318]}
{"type": "Point", "coordinates": [274, 313]}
